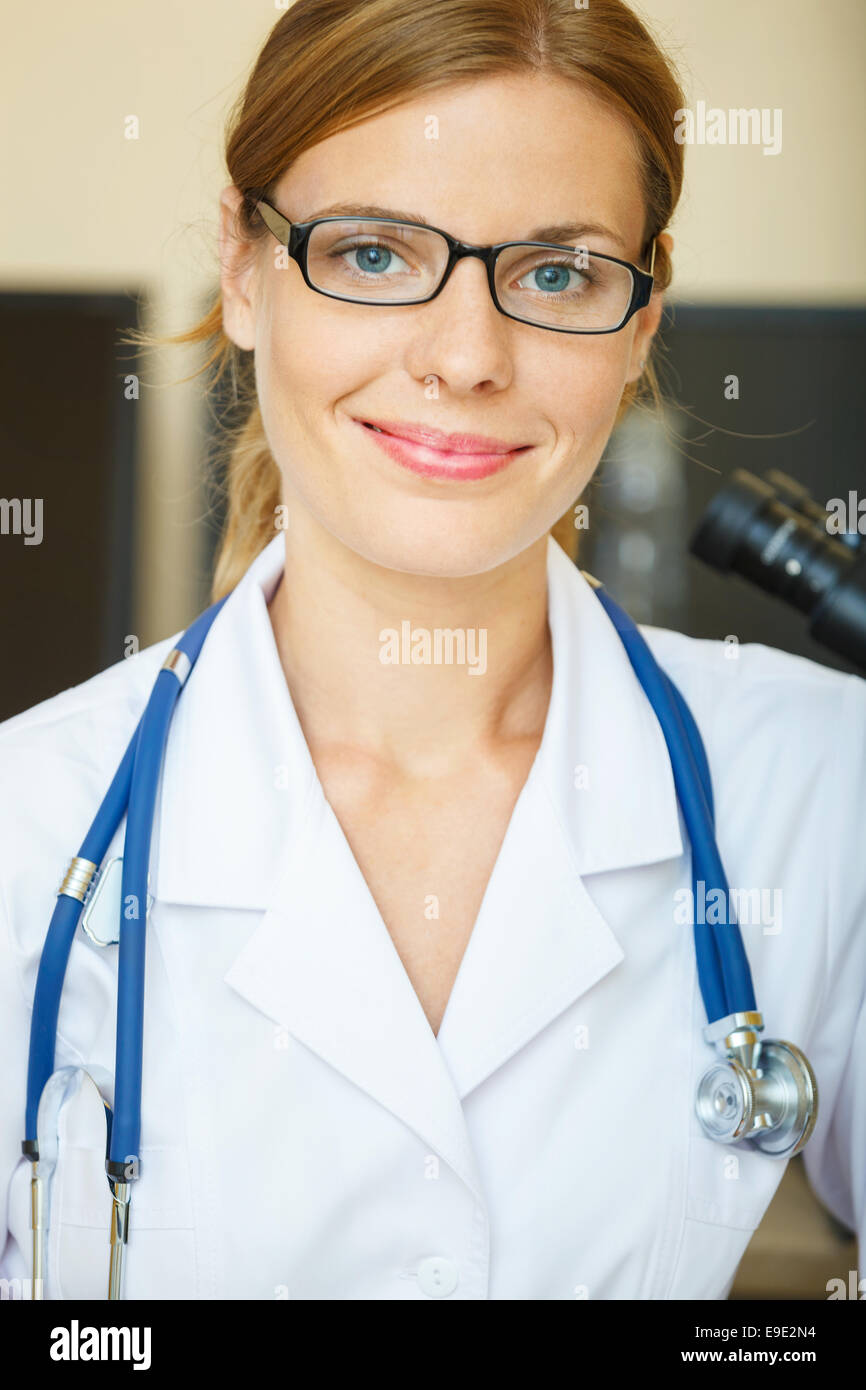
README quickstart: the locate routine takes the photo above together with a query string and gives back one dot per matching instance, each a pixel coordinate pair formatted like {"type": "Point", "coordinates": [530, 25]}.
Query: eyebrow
{"type": "Point", "coordinates": [562, 232]}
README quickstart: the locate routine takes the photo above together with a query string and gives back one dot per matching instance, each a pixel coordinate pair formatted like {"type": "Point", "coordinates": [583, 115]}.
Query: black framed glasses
{"type": "Point", "coordinates": [381, 260]}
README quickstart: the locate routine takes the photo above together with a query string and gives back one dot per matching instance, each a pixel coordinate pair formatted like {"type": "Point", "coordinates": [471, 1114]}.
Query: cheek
{"type": "Point", "coordinates": [578, 387]}
{"type": "Point", "coordinates": [289, 349]}
{"type": "Point", "coordinates": [314, 353]}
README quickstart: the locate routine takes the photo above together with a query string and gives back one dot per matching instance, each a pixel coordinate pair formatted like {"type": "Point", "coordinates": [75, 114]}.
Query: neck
{"type": "Point", "coordinates": [367, 668]}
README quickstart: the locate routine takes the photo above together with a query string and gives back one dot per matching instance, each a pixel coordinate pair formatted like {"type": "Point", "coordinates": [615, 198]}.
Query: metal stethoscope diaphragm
{"type": "Point", "coordinates": [764, 1091]}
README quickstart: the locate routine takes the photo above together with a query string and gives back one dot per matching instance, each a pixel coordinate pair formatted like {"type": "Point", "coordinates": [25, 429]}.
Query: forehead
{"type": "Point", "coordinates": [487, 160]}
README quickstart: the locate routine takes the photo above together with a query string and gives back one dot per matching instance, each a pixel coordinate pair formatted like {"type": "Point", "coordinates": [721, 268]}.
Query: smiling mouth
{"type": "Point", "coordinates": [432, 461]}
{"type": "Point", "coordinates": [455, 443]}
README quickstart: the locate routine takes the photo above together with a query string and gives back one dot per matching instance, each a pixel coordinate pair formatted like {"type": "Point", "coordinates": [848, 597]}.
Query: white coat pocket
{"type": "Point", "coordinates": [159, 1256]}
{"type": "Point", "coordinates": [728, 1189]}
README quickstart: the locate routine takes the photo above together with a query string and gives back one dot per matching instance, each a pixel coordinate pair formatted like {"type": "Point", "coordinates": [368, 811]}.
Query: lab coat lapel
{"type": "Point", "coordinates": [323, 965]}
{"type": "Point", "coordinates": [600, 797]}
{"type": "Point", "coordinates": [237, 771]}
{"type": "Point", "coordinates": [538, 944]}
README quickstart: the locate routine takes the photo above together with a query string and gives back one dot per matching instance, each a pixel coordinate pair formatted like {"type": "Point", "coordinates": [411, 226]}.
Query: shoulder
{"type": "Point", "coordinates": [785, 736]}
{"type": "Point", "coordinates": [112, 693]}
{"type": "Point", "coordinates": [57, 759]}
{"type": "Point", "coordinates": [76, 734]}
{"type": "Point", "coordinates": [785, 739]}
{"type": "Point", "coordinates": [747, 662]}
{"type": "Point", "coordinates": [752, 694]}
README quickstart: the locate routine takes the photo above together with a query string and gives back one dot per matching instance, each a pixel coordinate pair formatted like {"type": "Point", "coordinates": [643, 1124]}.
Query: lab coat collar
{"type": "Point", "coordinates": [321, 963]}
{"type": "Point", "coordinates": [602, 760]}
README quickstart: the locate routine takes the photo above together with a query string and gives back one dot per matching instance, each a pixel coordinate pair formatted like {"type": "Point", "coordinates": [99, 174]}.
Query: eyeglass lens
{"type": "Point", "coordinates": [386, 262]}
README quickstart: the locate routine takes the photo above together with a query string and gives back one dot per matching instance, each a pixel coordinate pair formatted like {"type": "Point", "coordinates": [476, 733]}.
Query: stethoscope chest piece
{"type": "Point", "coordinates": [767, 1095]}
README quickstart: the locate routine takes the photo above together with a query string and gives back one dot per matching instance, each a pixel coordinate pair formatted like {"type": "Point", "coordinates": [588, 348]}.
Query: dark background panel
{"type": "Point", "coordinates": [67, 436]}
{"type": "Point", "coordinates": [801, 409]}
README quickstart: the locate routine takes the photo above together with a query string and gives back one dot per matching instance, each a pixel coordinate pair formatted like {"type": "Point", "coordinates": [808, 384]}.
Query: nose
{"type": "Point", "coordinates": [461, 337]}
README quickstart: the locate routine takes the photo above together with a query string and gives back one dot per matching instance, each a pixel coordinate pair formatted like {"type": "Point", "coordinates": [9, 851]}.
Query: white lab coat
{"type": "Point", "coordinates": [304, 1133]}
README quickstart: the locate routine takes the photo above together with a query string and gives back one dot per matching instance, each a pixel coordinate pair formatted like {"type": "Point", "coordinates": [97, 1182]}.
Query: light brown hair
{"type": "Point", "coordinates": [329, 64]}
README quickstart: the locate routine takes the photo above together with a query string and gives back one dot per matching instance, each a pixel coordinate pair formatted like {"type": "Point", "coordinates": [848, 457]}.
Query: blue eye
{"type": "Point", "coordinates": [371, 258]}
{"type": "Point", "coordinates": [552, 277]}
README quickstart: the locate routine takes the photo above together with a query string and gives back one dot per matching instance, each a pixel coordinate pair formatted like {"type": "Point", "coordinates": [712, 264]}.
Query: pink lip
{"type": "Point", "coordinates": [435, 454]}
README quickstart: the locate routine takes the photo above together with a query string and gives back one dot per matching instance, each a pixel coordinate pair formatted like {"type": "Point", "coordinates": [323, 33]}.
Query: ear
{"type": "Point", "coordinates": [239, 268]}
{"type": "Point", "coordinates": [647, 321]}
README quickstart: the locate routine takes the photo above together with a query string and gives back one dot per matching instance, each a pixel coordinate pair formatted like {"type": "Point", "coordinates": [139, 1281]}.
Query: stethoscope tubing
{"type": "Point", "coordinates": [724, 974]}
{"type": "Point", "coordinates": [129, 1033]}
{"type": "Point", "coordinates": [132, 792]}
{"type": "Point", "coordinates": [58, 940]}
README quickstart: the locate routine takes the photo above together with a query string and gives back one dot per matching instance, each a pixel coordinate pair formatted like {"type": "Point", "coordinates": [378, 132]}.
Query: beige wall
{"type": "Point", "coordinates": [86, 208]}
{"type": "Point", "coordinates": [749, 226]}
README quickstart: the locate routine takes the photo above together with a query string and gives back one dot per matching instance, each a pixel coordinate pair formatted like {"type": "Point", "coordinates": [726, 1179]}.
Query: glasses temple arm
{"type": "Point", "coordinates": [274, 221]}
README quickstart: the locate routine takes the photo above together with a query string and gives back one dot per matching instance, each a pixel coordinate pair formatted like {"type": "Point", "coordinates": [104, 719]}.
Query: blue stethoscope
{"type": "Point", "coordinates": [763, 1092]}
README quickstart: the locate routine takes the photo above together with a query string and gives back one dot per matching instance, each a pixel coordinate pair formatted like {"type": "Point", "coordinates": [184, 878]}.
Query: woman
{"type": "Point", "coordinates": [422, 1015]}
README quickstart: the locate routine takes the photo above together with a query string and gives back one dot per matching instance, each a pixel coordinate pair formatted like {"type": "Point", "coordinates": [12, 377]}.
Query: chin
{"type": "Point", "coordinates": [440, 552]}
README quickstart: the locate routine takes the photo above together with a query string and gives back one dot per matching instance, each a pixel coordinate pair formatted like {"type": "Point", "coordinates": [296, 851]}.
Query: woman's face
{"type": "Point", "coordinates": [510, 154]}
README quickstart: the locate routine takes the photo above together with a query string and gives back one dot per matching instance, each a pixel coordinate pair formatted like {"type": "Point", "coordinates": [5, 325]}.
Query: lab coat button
{"type": "Point", "coordinates": [437, 1276]}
